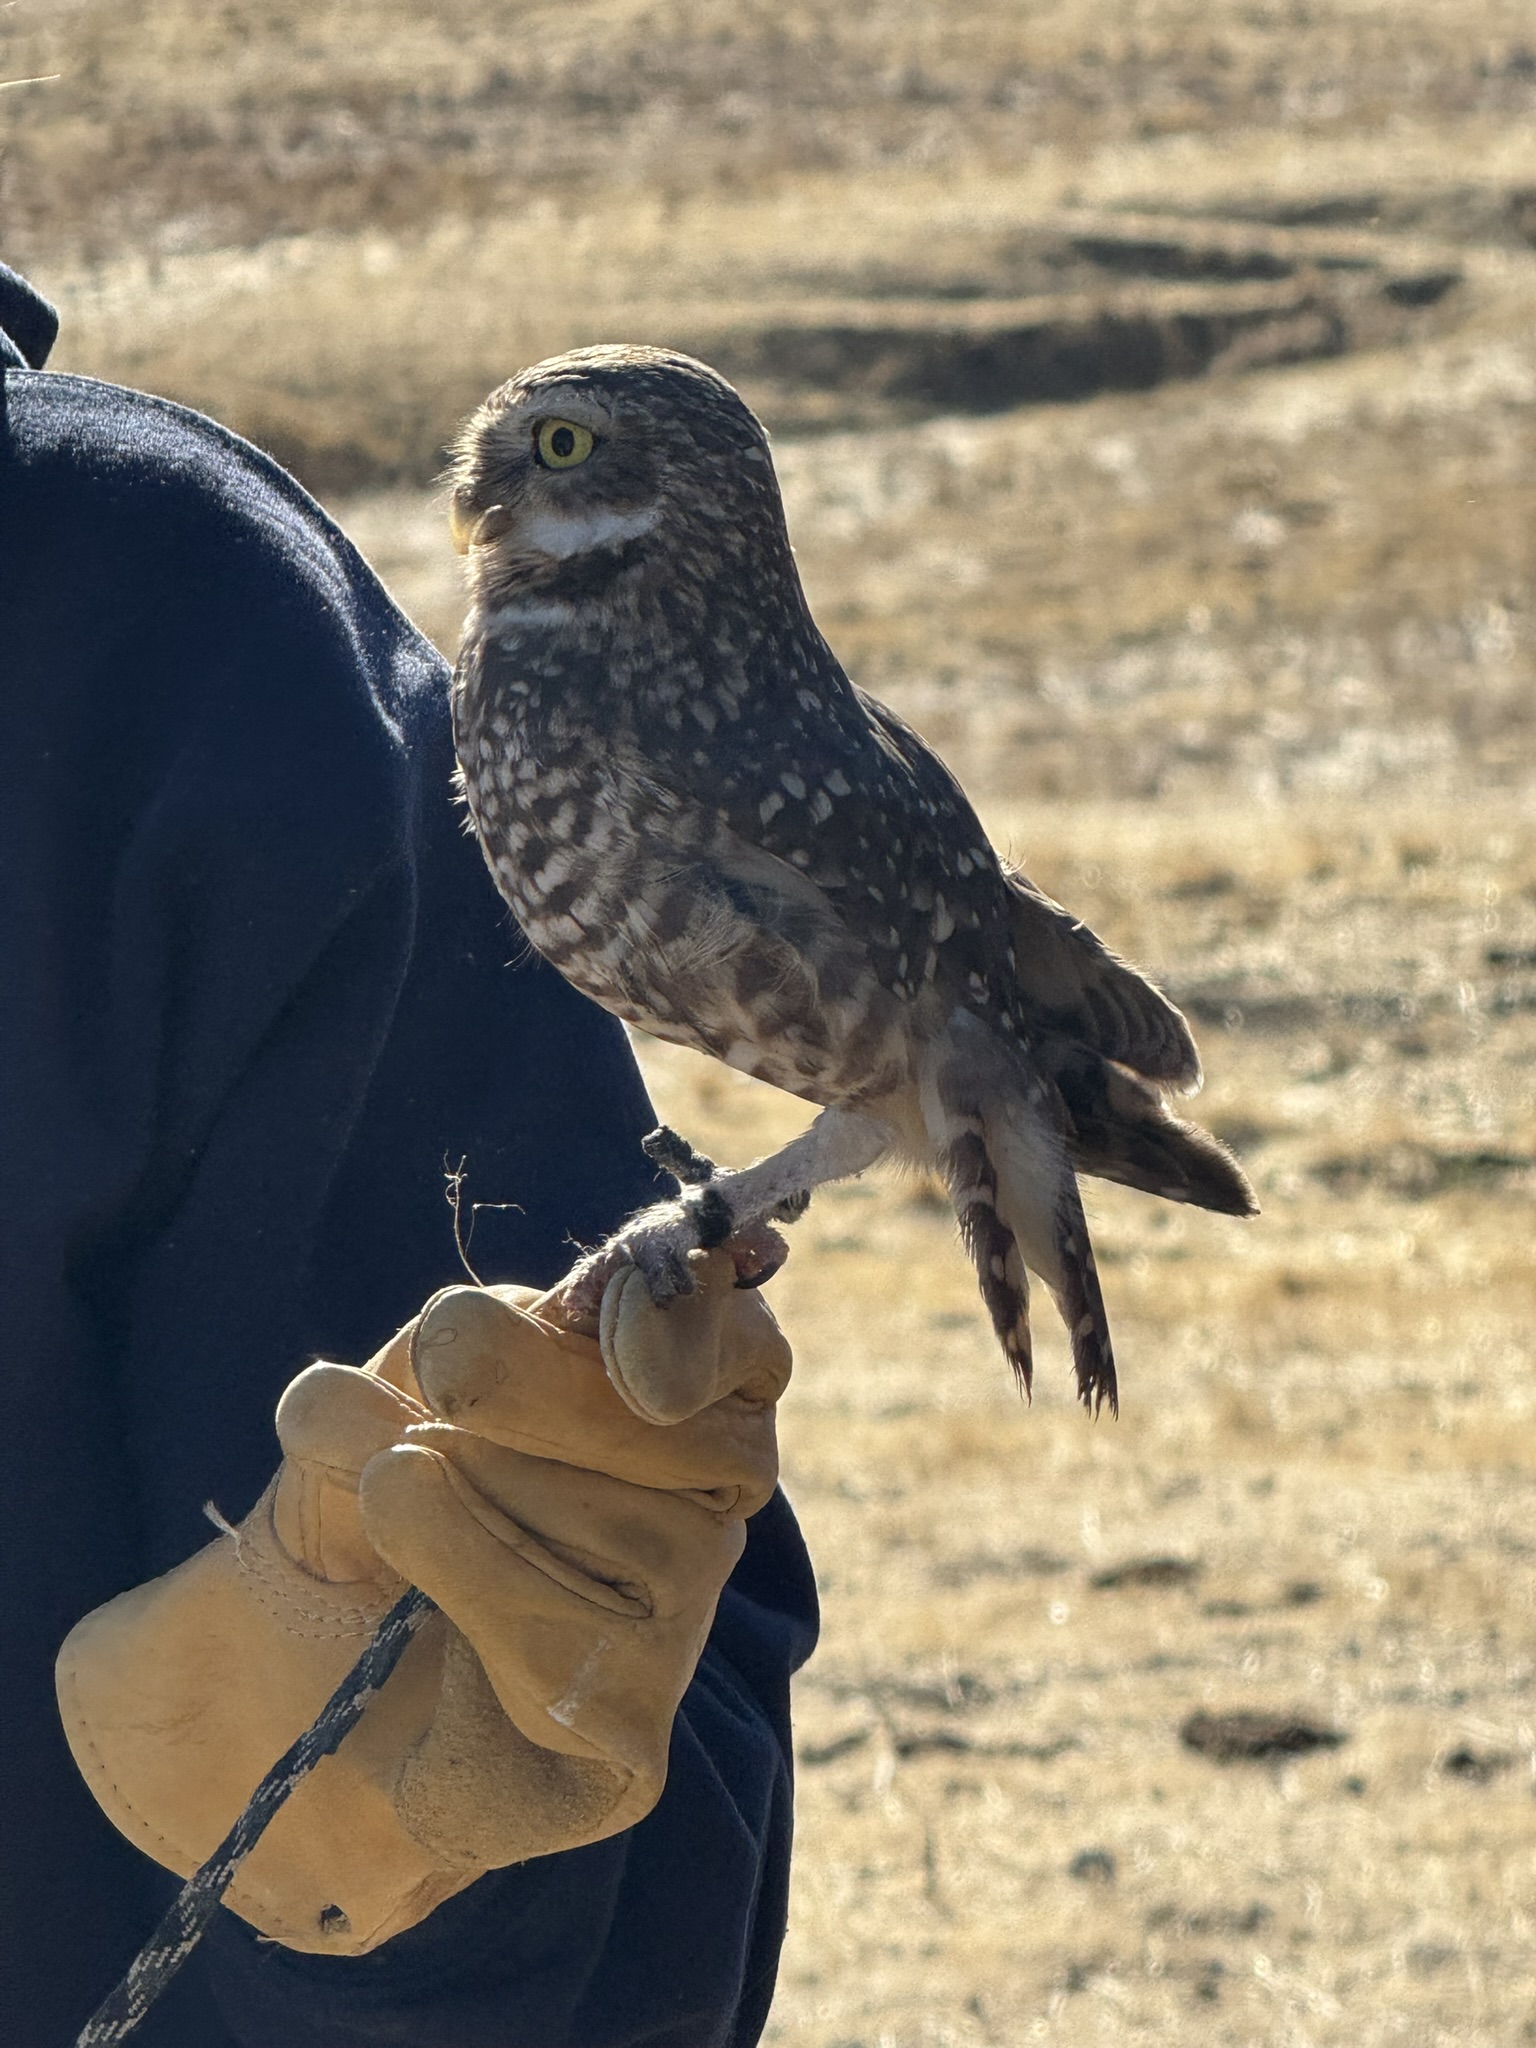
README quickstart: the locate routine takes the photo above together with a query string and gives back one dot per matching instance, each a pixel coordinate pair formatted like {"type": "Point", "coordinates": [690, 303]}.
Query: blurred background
{"type": "Point", "coordinates": [1154, 389]}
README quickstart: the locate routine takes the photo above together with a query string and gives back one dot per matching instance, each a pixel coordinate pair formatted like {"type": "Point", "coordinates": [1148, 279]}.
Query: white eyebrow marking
{"type": "Point", "coordinates": [562, 536]}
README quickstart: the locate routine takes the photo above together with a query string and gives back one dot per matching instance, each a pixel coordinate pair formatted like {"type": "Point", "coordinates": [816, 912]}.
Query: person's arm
{"type": "Point", "coordinates": [259, 993]}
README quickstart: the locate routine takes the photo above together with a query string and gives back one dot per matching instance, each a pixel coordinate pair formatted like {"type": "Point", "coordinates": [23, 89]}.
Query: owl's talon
{"type": "Point", "coordinates": [664, 1270]}
{"type": "Point", "coordinates": [757, 1251]}
{"type": "Point", "coordinates": [672, 1152]}
{"type": "Point", "coordinates": [758, 1254]}
{"type": "Point", "coordinates": [792, 1208]}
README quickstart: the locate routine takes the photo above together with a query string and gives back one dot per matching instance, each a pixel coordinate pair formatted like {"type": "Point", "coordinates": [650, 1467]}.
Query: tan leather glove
{"type": "Point", "coordinates": [572, 1502]}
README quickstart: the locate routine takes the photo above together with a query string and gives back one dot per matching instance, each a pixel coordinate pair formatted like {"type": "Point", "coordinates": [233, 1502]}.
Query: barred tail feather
{"type": "Point", "coordinates": [1081, 1301]}
{"type": "Point", "coordinates": [996, 1132]}
{"type": "Point", "coordinates": [994, 1251]}
{"type": "Point", "coordinates": [1121, 1129]}
{"type": "Point", "coordinates": [1038, 1199]}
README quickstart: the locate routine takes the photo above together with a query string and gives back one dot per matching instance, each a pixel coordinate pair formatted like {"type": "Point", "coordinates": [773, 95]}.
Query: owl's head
{"type": "Point", "coordinates": [607, 460]}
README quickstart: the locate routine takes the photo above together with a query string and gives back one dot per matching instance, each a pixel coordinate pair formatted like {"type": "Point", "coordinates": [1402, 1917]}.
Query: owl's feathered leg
{"type": "Point", "coordinates": [839, 1144]}
{"type": "Point", "coordinates": [994, 1124]}
{"type": "Point", "coordinates": [733, 1207]}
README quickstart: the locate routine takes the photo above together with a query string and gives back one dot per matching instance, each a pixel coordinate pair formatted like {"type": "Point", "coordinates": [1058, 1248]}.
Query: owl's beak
{"type": "Point", "coordinates": [472, 529]}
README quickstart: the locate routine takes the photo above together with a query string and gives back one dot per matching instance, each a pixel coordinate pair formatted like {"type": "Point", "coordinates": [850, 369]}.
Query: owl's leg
{"type": "Point", "coordinates": [735, 1208]}
{"type": "Point", "coordinates": [839, 1144]}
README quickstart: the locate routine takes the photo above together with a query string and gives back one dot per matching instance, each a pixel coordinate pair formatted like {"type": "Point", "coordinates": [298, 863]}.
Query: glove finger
{"type": "Point", "coordinates": [584, 1640]}
{"type": "Point", "coordinates": [490, 1363]}
{"type": "Point", "coordinates": [669, 1364]}
{"type": "Point", "coordinates": [338, 1417]}
{"type": "Point", "coordinates": [628, 1549]}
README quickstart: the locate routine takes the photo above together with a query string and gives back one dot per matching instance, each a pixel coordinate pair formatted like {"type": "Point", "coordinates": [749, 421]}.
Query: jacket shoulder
{"type": "Point", "coordinates": [113, 449]}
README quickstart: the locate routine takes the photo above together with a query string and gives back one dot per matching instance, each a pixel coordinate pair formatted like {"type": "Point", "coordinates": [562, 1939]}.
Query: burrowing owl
{"type": "Point", "coordinates": [702, 823]}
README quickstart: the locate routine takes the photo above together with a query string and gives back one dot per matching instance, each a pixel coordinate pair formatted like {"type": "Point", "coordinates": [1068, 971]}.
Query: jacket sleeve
{"type": "Point", "coordinates": [260, 993]}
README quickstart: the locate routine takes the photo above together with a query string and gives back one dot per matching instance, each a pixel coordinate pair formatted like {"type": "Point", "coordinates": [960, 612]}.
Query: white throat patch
{"type": "Point", "coordinates": [561, 536]}
{"type": "Point", "coordinates": [524, 614]}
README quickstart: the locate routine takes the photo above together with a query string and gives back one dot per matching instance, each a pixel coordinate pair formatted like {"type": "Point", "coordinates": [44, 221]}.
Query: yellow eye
{"type": "Point", "coordinates": [561, 444]}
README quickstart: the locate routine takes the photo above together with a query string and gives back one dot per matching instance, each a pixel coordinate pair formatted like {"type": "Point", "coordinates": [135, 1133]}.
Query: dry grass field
{"type": "Point", "coordinates": [1238, 654]}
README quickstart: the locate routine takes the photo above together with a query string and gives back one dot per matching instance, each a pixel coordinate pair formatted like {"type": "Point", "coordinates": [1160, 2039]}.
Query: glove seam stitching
{"type": "Point", "coordinates": [273, 1585]}
{"type": "Point", "coordinates": [76, 1720]}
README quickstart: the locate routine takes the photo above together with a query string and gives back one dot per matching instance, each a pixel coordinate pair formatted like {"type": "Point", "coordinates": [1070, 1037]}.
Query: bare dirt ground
{"type": "Point", "coordinates": [1238, 653]}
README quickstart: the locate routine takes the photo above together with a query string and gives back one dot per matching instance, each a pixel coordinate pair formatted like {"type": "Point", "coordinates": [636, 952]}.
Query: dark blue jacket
{"type": "Point", "coordinates": [255, 990]}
